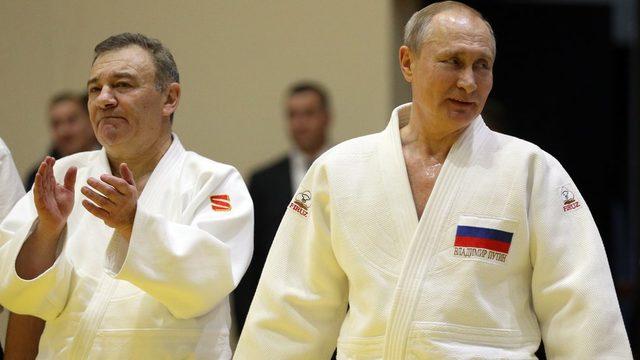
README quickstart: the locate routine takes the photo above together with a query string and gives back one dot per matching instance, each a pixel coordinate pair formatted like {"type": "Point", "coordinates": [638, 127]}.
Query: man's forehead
{"type": "Point", "coordinates": [125, 62]}
{"type": "Point", "coordinates": [450, 27]}
{"type": "Point", "coordinates": [306, 95]}
{"type": "Point", "coordinates": [65, 106]}
{"type": "Point", "coordinates": [304, 98]}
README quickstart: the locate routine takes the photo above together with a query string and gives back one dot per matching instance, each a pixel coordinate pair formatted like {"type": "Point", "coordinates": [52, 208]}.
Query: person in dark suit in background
{"type": "Point", "coordinates": [308, 117]}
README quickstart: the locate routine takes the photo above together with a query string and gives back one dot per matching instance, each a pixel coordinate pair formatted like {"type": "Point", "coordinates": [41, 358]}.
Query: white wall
{"type": "Point", "coordinates": [235, 58]}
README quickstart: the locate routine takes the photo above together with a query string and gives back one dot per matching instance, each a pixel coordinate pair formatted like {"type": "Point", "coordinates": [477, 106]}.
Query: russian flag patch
{"type": "Point", "coordinates": [481, 242]}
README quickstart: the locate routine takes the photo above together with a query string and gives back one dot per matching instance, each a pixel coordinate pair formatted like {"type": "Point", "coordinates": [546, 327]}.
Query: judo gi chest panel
{"type": "Point", "coordinates": [491, 262]}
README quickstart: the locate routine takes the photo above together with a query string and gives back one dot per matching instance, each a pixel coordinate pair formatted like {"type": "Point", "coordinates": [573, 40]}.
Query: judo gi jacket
{"type": "Point", "coordinates": [505, 254]}
{"type": "Point", "coordinates": [11, 189]}
{"type": "Point", "coordinates": [164, 294]}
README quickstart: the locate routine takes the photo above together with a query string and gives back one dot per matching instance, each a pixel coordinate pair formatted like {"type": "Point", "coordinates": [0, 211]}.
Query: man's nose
{"type": "Point", "coordinates": [65, 129]}
{"type": "Point", "coordinates": [106, 98]}
{"type": "Point", "coordinates": [467, 80]}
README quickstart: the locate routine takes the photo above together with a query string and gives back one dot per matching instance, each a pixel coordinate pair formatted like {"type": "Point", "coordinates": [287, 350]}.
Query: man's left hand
{"type": "Point", "coordinates": [113, 199]}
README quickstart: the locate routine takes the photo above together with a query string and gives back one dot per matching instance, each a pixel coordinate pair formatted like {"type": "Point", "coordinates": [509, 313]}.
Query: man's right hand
{"type": "Point", "coordinates": [54, 203]}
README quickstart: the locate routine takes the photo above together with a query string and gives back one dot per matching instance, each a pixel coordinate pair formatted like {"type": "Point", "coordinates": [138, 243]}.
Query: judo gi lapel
{"type": "Point", "coordinates": [425, 239]}
{"type": "Point", "coordinates": [102, 230]}
{"type": "Point", "coordinates": [161, 179]}
{"type": "Point", "coordinates": [396, 179]}
{"type": "Point", "coordinates": [151, 199]}
{"type": "Point", "coordinates": [97, 235]}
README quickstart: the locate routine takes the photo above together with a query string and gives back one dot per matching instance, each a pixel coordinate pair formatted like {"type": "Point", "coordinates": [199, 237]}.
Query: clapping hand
{"type": "Point", "coordinates": [113, 199]}
{"type": "Point", "coordinates": [53, 201]}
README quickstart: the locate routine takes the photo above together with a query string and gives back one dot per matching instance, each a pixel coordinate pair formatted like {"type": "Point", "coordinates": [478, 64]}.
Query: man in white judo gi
{"type": "Point", "coordinates": [11, 191]}
{"type": "Point", "coordinates": [134, 254]}
{"type": "Point", "coordinates": [445, 239]}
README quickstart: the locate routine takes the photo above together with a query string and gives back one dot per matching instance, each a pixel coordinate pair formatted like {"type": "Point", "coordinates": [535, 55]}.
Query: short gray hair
{"type": "Point", "coordinates": [417, 27]}
{"type": "Point", "coordinates": [166, 68]}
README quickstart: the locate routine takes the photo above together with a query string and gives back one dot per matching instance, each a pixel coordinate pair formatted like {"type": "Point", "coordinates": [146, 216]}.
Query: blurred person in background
{"type": "Point", "coordinates": [11, 191]}
{"type": "Point", "coordinates": [69, 128]}
{"type": "Point", "coordinates": [308, 117]}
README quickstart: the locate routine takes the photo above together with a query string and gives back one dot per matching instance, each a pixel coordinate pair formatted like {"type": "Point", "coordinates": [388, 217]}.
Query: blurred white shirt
{"type": "Point", "coordinates": [300, 163]}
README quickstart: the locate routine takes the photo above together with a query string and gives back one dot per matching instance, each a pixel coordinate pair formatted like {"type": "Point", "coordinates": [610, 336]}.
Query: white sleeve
{"type": "Point", "coordinates": [189, 267]}
{"type": "Point", "coordinates": [573, 293]}
{"type": "Point", "coordinates": [302, 295]}
{"type": "Point", "coordinates": [11, 189]}
{"type": "Point", "coordinates": [46, 295]}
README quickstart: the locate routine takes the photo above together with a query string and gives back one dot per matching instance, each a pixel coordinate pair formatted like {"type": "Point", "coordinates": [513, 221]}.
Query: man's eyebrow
{"type": "Point", "coordinates": [92, 81]}
{"type": "Point", "coordinates": [487, 54]}
{"type": "Point", "coordinates": [122, 74]}
{"type": "Point", "coordinates": [117, 75]}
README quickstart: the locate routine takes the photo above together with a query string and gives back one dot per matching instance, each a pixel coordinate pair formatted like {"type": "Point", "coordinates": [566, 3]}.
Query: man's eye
{"type": "Point", "coordinates": [123, 85]}
{"type": "Point", "coordinates": [94, 90]}
{"type": "Point", "coordinates": [483, 65]}
{"type": "Point", "coordinates": [453, 61]}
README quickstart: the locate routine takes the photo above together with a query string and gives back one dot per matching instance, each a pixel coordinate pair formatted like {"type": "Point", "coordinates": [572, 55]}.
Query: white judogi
{"type": "Point", "coordinates": [162, 296]}
{"type": "Point", "coordinates": [11, 190]}
{"type": "Point", "coordinates": [416, 288]}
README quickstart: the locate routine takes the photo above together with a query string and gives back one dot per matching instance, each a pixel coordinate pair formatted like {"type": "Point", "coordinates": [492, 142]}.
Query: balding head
{"type": "Point", "coordinates": [450, 67]}
{"type": "Point", "coordinates": [419, 29]}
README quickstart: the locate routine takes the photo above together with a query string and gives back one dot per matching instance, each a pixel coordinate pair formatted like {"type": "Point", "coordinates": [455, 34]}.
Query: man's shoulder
{"type": "Point", "coordinates": [200, 165]}
{"type": "Point", "coordinates": [525, 152]}
{"type": "Point", "coordinates": [515, 146]}
{"type": "Point", "coordinates": [4, 149]}
{"type": "Point", "coordinates": [351, 150]}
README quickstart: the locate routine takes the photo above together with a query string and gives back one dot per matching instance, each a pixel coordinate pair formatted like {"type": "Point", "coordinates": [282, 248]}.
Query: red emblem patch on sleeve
{"type": "Point", "coordinates": [220, 202]}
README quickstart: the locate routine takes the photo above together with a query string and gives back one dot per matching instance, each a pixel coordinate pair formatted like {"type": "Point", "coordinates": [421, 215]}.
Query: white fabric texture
{"type": "Point", "coordinates": [163, 295]}
{"type": "Point", "coordinates": [11, 190]}
{"type": "Point", "coordinates": [410, 294]}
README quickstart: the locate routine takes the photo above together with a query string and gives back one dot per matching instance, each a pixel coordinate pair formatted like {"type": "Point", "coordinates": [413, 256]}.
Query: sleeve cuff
{"type": "Point", "coordinates": [56, 264]}
{"type": "Point", "coordinates": [51, 285]}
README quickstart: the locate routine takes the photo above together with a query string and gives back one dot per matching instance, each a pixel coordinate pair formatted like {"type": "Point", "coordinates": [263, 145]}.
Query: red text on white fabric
{"type": "Point", "coordinates": [301, 203]}
{"type": "Point", "coordinates": [570, 201]}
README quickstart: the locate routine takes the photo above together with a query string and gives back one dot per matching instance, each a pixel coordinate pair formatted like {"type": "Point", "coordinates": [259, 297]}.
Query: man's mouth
{"type": "Point", "coordinates": [111, 120]}
{"type": "Point", "coordinates": [461, 102]}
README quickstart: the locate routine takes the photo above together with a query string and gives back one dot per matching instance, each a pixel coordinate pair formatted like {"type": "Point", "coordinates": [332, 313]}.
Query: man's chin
{"type": "Point", "coordinates": [111, 138]}
{"type": "Point", "coordinates": [462, 118]}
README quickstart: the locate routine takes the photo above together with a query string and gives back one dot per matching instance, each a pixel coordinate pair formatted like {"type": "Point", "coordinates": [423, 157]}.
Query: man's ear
{"type": "Point", "coordinates": [172, 99]}
{"type": "Point", "coordinates": [406, 58]}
